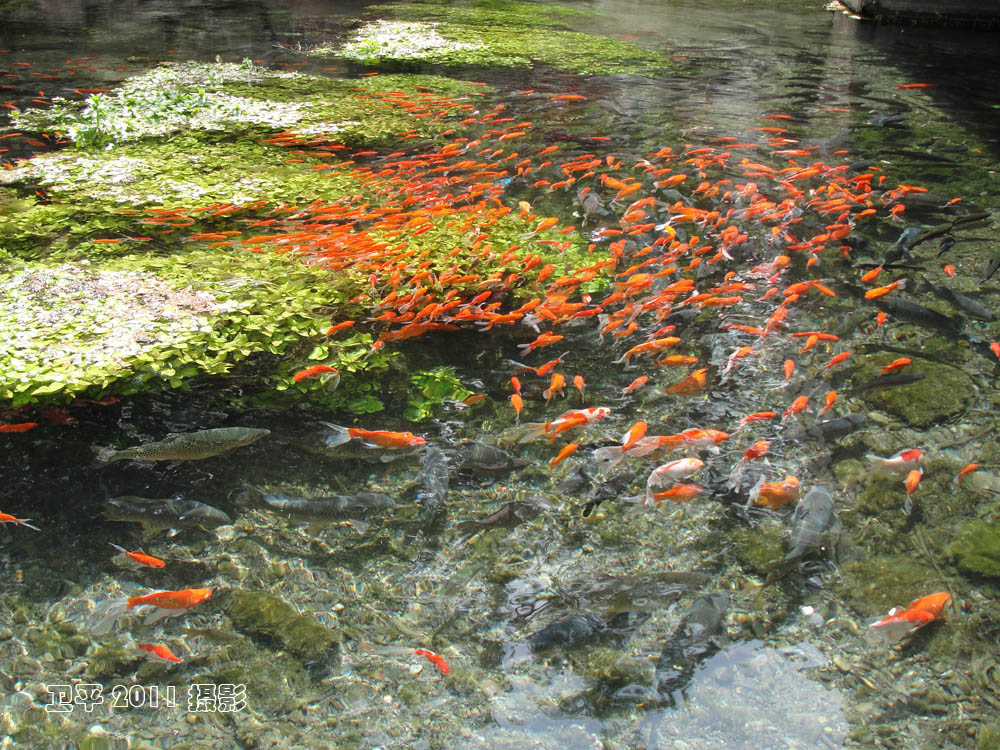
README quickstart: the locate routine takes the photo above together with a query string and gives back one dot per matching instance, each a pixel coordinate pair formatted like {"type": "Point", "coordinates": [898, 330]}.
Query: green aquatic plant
{"type": "Point", "coordinates": [492, 34]}
{"type": "Point", "coordinates": [430, 389]}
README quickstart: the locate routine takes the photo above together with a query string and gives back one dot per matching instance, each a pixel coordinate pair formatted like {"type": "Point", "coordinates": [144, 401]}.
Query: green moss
{"type": "Point", "coordinates": [976, 549]}
{"type": "Point", "coordinates": [876, 584]}
{"type": "Point", "coordinates": [942, 393]}
{"type": "Point", "coordinates": [761, 547]}
{"type": "Point", "coordinates": [267, 617]}
{"type": "Point", "coordinates": [989, 738]}
{"type": "Point", "coordinates": [491, 33]}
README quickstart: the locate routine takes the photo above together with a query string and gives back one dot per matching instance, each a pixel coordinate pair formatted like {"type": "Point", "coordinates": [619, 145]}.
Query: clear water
{"type": "Point", "coordinates": [766, 680]}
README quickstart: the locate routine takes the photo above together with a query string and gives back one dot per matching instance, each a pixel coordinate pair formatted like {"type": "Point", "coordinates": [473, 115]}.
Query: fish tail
{"type": "Point", "coordinates": [104, 455]}
{"type": "Point", "coordinates": [525, 433]}
{"type": "Point", "coordinates": [339, 436]}
{"type": "Point", "coordinates": [24, 522]}
{"type": "Point", "coordinates": [609, 457]}
{"type": "Point", "coordinates": [108, 613]}
{"type": "Point", "coordinates": [120, 549]}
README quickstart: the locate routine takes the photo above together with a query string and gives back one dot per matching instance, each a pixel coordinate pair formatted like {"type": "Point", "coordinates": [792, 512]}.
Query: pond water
{"type": "Point", "coordinates": [492, 589]}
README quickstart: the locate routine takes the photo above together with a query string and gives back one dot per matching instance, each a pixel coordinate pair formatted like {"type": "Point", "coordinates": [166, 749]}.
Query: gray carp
{"type": "Point", "coordinates": [170, 513]}
{"type": "Point", "coordinates": [186, 446]}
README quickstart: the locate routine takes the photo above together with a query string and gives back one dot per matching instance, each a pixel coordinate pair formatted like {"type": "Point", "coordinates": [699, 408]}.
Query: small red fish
{"type": "Point", "coordinates": [636, 384]}
{"type": "Point", "coordinates": [798, 406]}
{"type": "Point", "coordinates": [159, 653]}
{"type": "Point", "coordinates": [831, 396]}
{"type": "Point", "coordinates": [315, 371]}
{"type": "Point", "coordinates": [140, 557]}
{"type": "Point", "coordinates": [896, 364]}
{"type": "Point", "coordinates": [966, 470]}
{"type": "Point", "coordinates": [19, 427]}
{"type": "Point", "coordinates": [912, 481]}
{"type": "Point", "coordinates": [837, 359]}
{"type": "Point", "coordinates": [436, 659]}
{"type": "Point", "coordinates": [776, 494]}
{"type": "Point", "coordinates": [567, 451]}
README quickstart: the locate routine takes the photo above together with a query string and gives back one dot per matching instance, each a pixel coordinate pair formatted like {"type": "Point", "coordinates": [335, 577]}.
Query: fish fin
{"type": "Point", "coordinates": [104, 455]}
{"type": "Point", "coordinates": [158, 614]}
{"type": "Point", "coordinates": [108, 613]}
{"type": "Point", "coordinates": [339, 436]}
{"type": "Point", "coordinates": [117, 547]}
{"type": "Point", "coordinates": [359, 526]}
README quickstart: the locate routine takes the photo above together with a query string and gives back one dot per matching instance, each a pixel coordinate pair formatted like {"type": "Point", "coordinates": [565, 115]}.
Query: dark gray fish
{"type": "Point", "coordinates": [575, 481]}
{"type": "Point", "coordinates": [887, 381]}
{"type": "Point", "coordinates": [575, 630]}
{"type": "Point", "coordinates": [920, 315]}
{"type": "Point", "coordinates": [693, 641]}
{"type": "Point", "coordinates": [812, 518]}
{"type": "Point", "coordinates": [947, 243]}
{"type": "Point", "coordinates": [186, 446]}
{"type": "Point", "coordinates": [590, 204]}
{"type": "Point", "coordinates": [991, 267]}
{"type": "Point", "coordinates": [630, 593]}
{"type": "Point", "coordinates": [895, 120]}
{"type": "Point", "coordinates": [507, 516]}
{"type": "Point", "coordinates": [477, 456]}
{"type": "Point", "coordinates": [434, 490]}
{"type": "Point", "coordinates": [170, 513]}
{"type": "Point", "coordinates": [908, 237]}
{"type": "Point", "coordinates": [610, 489]}
{"type": "Point", "coordinates": [319, 511]}
{"type": "Point", "coordinates": [959, 300]}
{"type": "Point", "coordinates": [831, 429]}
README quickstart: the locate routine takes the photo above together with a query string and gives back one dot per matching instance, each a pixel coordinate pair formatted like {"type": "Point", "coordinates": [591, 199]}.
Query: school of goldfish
{"type": "Point", "coordinates": [758, 213]}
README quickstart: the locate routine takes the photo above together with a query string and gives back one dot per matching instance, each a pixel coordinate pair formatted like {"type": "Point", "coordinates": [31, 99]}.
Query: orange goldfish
{"type": "Point", "coordinates": [19, 427]}
{"type": "Point", "coordinates": [316, 371]}
{"type": "Point", "coordinates": [896, 364]}
{"type": "Point", "coordinates": [656, 345]}
{"type": "Point", "coordinates": [798, 406]}
{"type": "Point", "coordinates": [436, 659]}
{"type": "Point", "coordinates": [897, 465]}
{"type": "Point", "coordinates": [756, 417]}
{"type": "Point", "coordinates": [669, 473]}
{"type": "Point", "coordinates": [635, 433]}
{"type": "Point", "coordinates": [140, 558]}
{"type": "Point", "coordinates": [636, 384]}
{"type": "Point", "coordinates": [966, 470]}
{"type": "Point", "coordinates": [567, 451]}
{"type": "Point", "coordinates": [373, 438]}
{"type": "Point", "coordinates": [693, 383]}
{"type": "Point", "coordinates": [556, 386]}
{"type": "Point", "coordinates": [901, 622]}
{"type": "Point", "coordinates": [679, 493]}
{"type": "Point", "coordinates": [776, 494]}
{"type": "Point", "coordinates": [831, 397]}
{"type": "Point", "coordinates": [163, 604]}
{"type": "Point", "coordinates": [159, 653]}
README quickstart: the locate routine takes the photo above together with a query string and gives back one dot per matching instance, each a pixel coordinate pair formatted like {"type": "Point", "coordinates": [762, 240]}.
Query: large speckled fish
{"type": "Point", "coordinates": [186, 446]}
{"type": "Point", "coordinates": [320, 511]}
{"type": "Point", "coordinates": [170, 513]}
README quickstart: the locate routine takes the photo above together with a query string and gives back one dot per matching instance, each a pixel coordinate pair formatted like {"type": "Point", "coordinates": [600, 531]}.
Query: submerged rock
{"type": "Point", "coordinates": [266, 617]}
{"type": "Point", "coordinates": [942, 393]}
{"type": "Point", "coordinates": [976, 550]}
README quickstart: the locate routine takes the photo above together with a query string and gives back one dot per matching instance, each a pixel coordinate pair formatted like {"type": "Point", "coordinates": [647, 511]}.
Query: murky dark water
{"type": "Point", "coordinates": [765, 675]}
